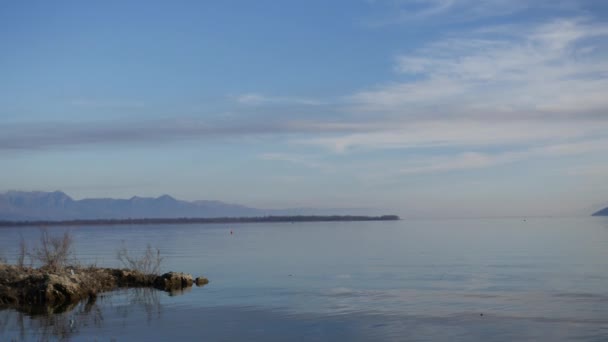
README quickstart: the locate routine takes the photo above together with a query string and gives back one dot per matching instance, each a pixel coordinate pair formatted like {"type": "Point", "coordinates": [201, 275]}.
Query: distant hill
{"type": "Point", "coordinates": [603, 212]}
{"type": "Point", "coordinates": [37, 205]}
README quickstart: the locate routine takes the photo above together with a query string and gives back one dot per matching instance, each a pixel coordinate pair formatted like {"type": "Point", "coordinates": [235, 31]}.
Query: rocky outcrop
{"type": "Point", "coordinates": [201, 281]}
{"type": "Point", "coordinates": [29, 286]}
{"type": "Point", "coordinates": [173, 281]}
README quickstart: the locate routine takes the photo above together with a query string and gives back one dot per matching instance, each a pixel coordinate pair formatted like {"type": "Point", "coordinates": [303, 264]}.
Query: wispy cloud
{"type": "Point", "coordinates": [420, 11]}
{"type": "Point", "coordinates": [528, 91]}
{"type": "Point", "coordinates": [43, 135]}
{"type": "Point", "coordinates": [537, 85]}
{"type": "Point", "coordinates": [534, 92]}
{"type": "Point", "coordinates": [555, 68]}
{"type": "Point", "coordinates": [459, 133]}
{"type": "Point", "coordinates": [306, 161]}
{"type": "Point", "coordinates": [258, 99]}
{"type": "Point", "coordinates": [475, 160]}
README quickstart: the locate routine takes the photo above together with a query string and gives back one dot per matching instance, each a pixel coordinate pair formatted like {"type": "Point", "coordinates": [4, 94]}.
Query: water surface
{"type": "Point", "coordinates": [425, 280]}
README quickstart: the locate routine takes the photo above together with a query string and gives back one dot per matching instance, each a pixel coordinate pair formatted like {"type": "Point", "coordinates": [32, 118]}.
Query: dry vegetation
{"type": "Point", "coordinates": [54, 252]}
{"type": "Point", "coordinates": [22, 253]}
{"type": "Point", "coordinates": [149, 263]}
{"type": "Point", "coordinates": [60, 280]}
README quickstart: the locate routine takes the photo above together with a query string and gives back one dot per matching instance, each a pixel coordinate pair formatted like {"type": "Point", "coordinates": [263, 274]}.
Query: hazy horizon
{"type": "Point", "coordinates": [323, 211]}
{"type": "Point", "coordinates": [422, 108]}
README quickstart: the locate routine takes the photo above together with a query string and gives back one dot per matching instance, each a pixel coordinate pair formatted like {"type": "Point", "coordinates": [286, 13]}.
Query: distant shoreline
{"type": "Point", "coordinates": [236, 220]}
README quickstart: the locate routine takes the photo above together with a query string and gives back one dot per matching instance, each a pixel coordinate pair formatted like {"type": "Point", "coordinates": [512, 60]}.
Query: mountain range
{"type": "Point", "coordinates": [38, 205]}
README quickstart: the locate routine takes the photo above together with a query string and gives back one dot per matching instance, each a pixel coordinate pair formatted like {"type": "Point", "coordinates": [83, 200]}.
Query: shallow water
{"type": "Point", "coordinates": [425, 280]}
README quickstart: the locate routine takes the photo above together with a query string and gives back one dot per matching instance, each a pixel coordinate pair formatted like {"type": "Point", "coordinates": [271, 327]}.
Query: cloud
{"type": "Point", "coordinates": [533, 92]}
{"type": "Point", "coordinates": [418, 134]}
{"type": "Point", "coordinates": [257, 100]}
{"type": "Point", "coordinates": [306, 161]}
{"type": "Point", "coordinates": [475, 160]}
{"type": "Point", "coordinates": [43, 135]}
{"type": "Point", "coordinates": [448, 11]}
{"type": "Point", "coordinates": [526, 90]}
{"type": "Point", "coordinates": [555, 68]}
{"type": "Point", "coordinates": [535, 85]}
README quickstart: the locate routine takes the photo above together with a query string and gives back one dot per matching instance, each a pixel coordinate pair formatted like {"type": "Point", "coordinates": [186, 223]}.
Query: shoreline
{"type": "Point", "coordinates": [216, 220]}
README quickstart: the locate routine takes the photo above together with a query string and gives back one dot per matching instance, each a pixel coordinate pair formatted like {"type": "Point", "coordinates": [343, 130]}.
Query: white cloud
{"type": "Point", "coordinates": [555, 68]}
{"type": "Point", "coordinates": [533, 92]}
{"type": "Point", "coordinates": [306, 161]}
{"type": "Point", "coordinates": [458, 133]}
{"type": "Point", "coordinates": [408, 11]}
{"type": "Point", "coordinates": [254, 99]}
{"type": "Point", "coordinates": [474, 160]}
{"type": "Point", "coordinates": [537, 85]}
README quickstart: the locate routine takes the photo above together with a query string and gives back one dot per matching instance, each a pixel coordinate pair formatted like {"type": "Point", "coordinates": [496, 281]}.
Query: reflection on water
{"type": "Point", "coordinates": [39, 324]}
{"type": "Point", "coordinates": [141, 300]}
{"type": "Point", "coordinates": [46, 323]}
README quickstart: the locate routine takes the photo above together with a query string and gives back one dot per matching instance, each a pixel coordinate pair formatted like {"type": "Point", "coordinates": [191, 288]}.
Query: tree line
{"type": "Point", "coordinates": [205, 220]}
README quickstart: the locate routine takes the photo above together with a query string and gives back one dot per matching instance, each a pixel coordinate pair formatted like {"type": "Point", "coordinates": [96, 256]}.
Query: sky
{"type": "Point", "coordinates": [424, 108]}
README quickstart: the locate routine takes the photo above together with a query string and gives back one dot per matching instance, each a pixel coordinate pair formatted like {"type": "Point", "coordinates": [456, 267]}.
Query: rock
{"type": "Point", "coordinates": [50, 289]}
{"type": "Point", "coordinates": [201, 281]}
{"type": "Point", "coordinates": [173, 280]}
{"type": "Point", "coordinates": [127, 278]}
{"type": "Point", "coordinates": [61, 289]}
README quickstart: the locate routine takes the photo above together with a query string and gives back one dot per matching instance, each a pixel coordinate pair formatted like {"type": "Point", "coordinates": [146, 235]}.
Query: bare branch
{"type": "Point", "coordinates": [148, 264]}
{"type": "Point", "coordinates": [54, 252]}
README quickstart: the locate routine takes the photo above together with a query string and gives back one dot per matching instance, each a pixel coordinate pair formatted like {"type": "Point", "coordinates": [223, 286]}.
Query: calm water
{"type": "Point", "coordinates": [539, 279]}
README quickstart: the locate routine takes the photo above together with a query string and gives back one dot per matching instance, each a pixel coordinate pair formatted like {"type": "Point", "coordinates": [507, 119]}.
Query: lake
{"type": "Point", "coordinates": [423, 280]}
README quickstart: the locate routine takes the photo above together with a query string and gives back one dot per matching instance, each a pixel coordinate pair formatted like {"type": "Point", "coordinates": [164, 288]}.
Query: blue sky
{"type": "Point", "coordinates": [423, 107]}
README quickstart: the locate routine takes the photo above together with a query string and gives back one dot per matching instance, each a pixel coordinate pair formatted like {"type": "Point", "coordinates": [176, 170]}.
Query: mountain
{"type": "Point", "coordinates": [603, 212]}
{"type": "Point", "coordinates": [37, 205]}
{"type": "Point", "coordinates": [18, 205]}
